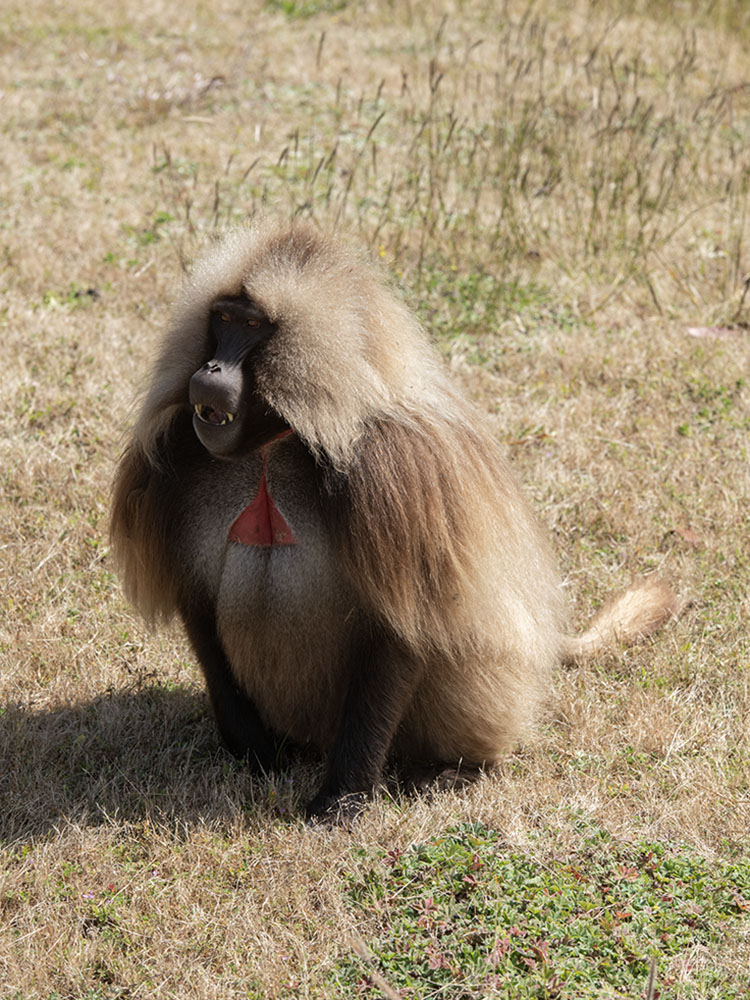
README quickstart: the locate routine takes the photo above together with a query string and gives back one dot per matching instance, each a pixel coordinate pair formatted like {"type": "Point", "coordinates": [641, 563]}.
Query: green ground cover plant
{"type": "Point", "coordinates": [466, 915]}
{"type": "Point", "coordinates": [560, 190]}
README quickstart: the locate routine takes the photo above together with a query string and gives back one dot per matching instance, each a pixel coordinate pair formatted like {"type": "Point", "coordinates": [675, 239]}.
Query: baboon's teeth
{"type": "Point", "coordinates": [217, 418]}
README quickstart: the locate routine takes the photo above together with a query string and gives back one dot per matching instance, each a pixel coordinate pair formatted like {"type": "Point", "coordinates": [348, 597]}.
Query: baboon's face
{"type": "Point", "coordinates": [229, 416]}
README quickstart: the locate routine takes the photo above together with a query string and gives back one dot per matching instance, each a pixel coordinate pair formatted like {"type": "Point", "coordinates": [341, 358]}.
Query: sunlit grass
{"type": "Point", "coordinates": [560, 191]}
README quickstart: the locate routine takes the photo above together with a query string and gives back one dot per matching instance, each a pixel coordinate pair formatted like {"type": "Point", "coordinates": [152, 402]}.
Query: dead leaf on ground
{"type": "Point", "coordinates": [713, 332]}
{"type": "Point", "coordinates": [688, 536]}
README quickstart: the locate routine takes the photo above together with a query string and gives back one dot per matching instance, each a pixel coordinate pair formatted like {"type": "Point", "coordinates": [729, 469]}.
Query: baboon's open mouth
{"type": "Point", "coordinates": [211, 416]}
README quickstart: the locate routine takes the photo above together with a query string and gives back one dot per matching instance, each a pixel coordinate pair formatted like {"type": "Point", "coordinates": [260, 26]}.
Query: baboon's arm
{"type": "Point", "coordinates": [237, 717]}
{"type": "Point", "coordinates": [382, 681]}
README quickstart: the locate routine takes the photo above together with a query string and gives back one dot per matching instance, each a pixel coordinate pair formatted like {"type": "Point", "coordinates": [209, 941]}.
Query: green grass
{"type": "Point", "coordinates": [465, 915]}
{"type": "Point", "coordinates": [560, 191]}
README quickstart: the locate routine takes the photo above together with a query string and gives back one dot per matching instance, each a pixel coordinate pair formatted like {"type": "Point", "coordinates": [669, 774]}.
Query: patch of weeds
{"type": "Point", "coordinates": [151, 233]}
{"type": "Point", "coordinates": [587, 763]}
{"type": "Point", "coordinates": [306, 8]}
{"type": "Point", "coordinates": [175, 166]}
{"type": "Point", "coordinates": [463, 916]}
{"type": "Point", "coordinates": [74, 295]}
{"type": "Point", "coordinates": [713, 403]}
{"type": "Point", "coordinates": [454, 302]}
{"type": "Point", "coordinates": [97, 993]}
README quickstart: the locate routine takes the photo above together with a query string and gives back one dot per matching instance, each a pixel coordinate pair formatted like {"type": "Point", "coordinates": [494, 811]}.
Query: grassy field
{"type": "Point", "coordinates": [561, 190]}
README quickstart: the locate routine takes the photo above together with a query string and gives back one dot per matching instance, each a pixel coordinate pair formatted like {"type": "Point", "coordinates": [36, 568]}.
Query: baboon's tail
{"type": "Point", "coordinates": [636, 612]}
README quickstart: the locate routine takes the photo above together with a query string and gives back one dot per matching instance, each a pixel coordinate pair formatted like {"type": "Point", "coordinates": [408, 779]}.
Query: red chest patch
{"type": "Point", "coordinates": [261, 522]}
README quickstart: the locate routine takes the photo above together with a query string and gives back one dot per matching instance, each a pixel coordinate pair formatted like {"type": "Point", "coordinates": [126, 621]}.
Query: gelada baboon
{"type": "Point", "coordinates": [349, 553]}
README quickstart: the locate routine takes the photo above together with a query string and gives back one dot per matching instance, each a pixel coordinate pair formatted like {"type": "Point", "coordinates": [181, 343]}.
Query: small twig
{"type": "Point", "coordinates": [319, 54]}
{"type": "Point", "coordinates": [144, 268]}
{"type": "Point", "coordinates": [360, 949]}
{"type": "Point", "coordinates": [651, 988]}
{"type": "Point", "coordinates": [745, 287]}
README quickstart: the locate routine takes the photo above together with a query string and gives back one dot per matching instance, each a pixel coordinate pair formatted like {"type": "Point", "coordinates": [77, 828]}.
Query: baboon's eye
{"type": "Point", "coordinates": [225, 317]}
{"type": "Point", "coordinates": [253, 322]}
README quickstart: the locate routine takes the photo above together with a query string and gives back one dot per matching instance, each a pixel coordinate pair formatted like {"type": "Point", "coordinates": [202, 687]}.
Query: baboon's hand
{"type": "Point", "coordinates": [336, 810]}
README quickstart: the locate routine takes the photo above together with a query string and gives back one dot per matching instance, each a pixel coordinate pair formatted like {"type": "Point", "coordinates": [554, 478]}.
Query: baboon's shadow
{"type": "Point", "coordinates": [128, 756]}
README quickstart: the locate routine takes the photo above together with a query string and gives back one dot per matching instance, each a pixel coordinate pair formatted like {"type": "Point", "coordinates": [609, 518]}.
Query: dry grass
{"type": "Point", "coordinates": [562, 190]}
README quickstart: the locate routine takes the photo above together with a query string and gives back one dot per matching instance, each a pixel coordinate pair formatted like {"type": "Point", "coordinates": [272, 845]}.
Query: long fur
{"type": "Point", "coordinates": [430, 528]}
{"type": "Point", "coordinates": [632, 615]}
